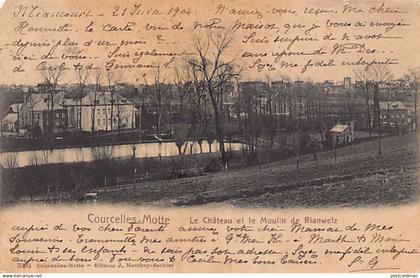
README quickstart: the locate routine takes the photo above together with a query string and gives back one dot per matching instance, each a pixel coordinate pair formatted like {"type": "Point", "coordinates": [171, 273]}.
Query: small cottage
{"type": "Point", "coordinates": [342, 134]}
{"type": "Point", "coordinates": [10, 123]}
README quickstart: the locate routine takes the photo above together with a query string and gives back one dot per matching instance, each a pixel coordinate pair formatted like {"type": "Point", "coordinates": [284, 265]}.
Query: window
{"type": "Point", "coordinates": [104, 111]}
{"type": "Point", "coordinates": [98, 111]}
{"type": "Point", "coordinates": [103, 121]}
{"type": "Point", "coordinates": [99, 121]}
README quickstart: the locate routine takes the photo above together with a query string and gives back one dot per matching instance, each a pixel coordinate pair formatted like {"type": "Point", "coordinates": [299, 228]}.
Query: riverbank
{"type": "Point", "coordinates": [81, 140]}
{"type": "Point", "coordinates": [273, 175]}
{"type": "Point", "coordinates": [94, 153]}
{"type": "Point", "coordinates": [359, 178]}
{"type": "Point", "coordinates": [63, 182]}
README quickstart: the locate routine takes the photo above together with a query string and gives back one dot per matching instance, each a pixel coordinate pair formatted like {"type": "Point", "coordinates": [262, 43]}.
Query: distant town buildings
{"type": "Point", "coordinates": [347, 82]}
{"type": "Point", "coordinates": [395, 114]}
{"type": "Point", "coordinates": [10, 122]}
{"type": "Point", "coordinates": [43, 112]}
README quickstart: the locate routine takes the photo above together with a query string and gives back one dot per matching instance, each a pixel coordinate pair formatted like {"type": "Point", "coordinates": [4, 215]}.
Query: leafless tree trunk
{"type": "Point", "coordinates": [180, 85]}
{"type": "Point", "coordinates": [10, 161]}
{"type": "Point", "coordinates": [82, 75]}
{"type": "Point", "coordinates": [158, 80]}
{"type": "Point", "coordinates": [413, 79]}
{"type": "Point", "coordinates": [362, 76]}
{"type": "Point", "coordinates": [113, 78]}
{"type": "Point", "coordinates": [380, 73]}
{"type": "Point", "coordinates": [94, 101]}
{"type": "Point", "coordinates": [52, 77]}
{"type": "Point", "coordinates": [350, 101]}
{"type": "Point", "coordinates": [376, 74]}
{"type": "Point", "coordinates": [216, 74]}
{"type": "Point", "coordinates": [31, 103]}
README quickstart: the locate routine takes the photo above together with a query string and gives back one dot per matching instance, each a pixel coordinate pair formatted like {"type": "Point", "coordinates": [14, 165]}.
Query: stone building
{"type": "Point", "coordinates": [100, 111]}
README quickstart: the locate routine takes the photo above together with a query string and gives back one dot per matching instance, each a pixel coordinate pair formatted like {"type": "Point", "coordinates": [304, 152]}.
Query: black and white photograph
{"type": "Point", "coordinates": [200, 134]}
{"type": "Point", "coordinates": [209, 136]}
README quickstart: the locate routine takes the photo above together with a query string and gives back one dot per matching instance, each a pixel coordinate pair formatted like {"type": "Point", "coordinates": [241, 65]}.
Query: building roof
{"type": "Point", "coordinates": [15, 107]}
{"type": "Point", "coordinates": [10, 118]}
{"type": "Point", "coordinates": [45, 104]}
{"type": "Point", "coordinates": [41, 102]}
{"type": "Point", "coordinates": [339, 128]}
{"type": "Point", "coordinates": [393, 105]}
{"type": "Point", "coordinates": [68, 102]}
{"type": "Point", "coordinates": [105, 98]}
{"type": "Point", "coordinates": [42, 106]}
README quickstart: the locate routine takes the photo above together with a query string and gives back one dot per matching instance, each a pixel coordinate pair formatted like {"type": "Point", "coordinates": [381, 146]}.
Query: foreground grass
{"type": "Point", "coordinates": [359, 178]}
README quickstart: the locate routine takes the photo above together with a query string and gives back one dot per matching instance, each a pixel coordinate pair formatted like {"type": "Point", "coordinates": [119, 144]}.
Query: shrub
{"type": "Point", "coordinates": [213, 164]}
{"type": "Point", "coordinates": [251, 157]}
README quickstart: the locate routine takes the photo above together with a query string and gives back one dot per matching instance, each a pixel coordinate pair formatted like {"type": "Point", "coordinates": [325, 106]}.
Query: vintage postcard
{"type": "Point", "coordinates": [209, 136]}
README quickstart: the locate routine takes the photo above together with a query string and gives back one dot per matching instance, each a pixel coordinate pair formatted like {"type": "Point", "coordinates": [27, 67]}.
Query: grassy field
{"type": "Point", "coordinates": [359, 178]}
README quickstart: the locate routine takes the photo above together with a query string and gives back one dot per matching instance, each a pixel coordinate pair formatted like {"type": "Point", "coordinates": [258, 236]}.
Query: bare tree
{"type": "Point", "coordinates": [44, 156]}
{"type": "Point", "coordinates": [113, 78]}
{"type": "Point", "coordinates": [119, 109]}
{"type": "Point", "coordinates": [373, 75]}
{"type": "Point", "coordinates": [159, 79]}
{"type": "Point", "coordinates": [34, 159]}
{"type": "Point", "coordinates": [413, 80]}
{"type": "Point", "coordinates": [60, 155]}
{"type": "Point", "coordinates": [380, 73]}
{"type": "Point", "coordinates": [181, 137]}
{"type": "Point", "coordinates": [94, 98]}
{"type": "Point", "coordinates": [362, 77]}
{"type": "Point", "coordinates": [80, 157]}
{"type": "Point", "coordinates": [195, 91]}
{"type": "Point", "coordinates": [180, 81]}
{"type": "Point", "coordinates": [52, 76]}
{"type": "Point", "coordinates": [32, 104]}
{"type": "Point", "coordinates": [102, 153]}
{"type": "Point", "coordinates": [350, 100]}
{"type": "Point", "coordinates": [169, 100]}
{"type": "Point", "coordinates": [82, 76]}
{"type": "Point", "coordinates": [216, 73]}
{"type": "Point", "coordinates": [39, 157]}
{"type": "Point", "coordinates": [10, 161]}
{"type": "Point", "coordinates": [102, 157]}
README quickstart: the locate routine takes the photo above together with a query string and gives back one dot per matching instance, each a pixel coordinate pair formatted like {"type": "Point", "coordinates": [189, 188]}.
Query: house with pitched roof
{"type": "Point", "coordinates": [10, 123]}
{"type": "Point", "coordinates": [342, 133]}
{"type": "Point", "coordinates": [100, 111]}
{"type": "Point", "coordinates": [43, 112]}
{"type": "Point", "coordinates": [396, 114]}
